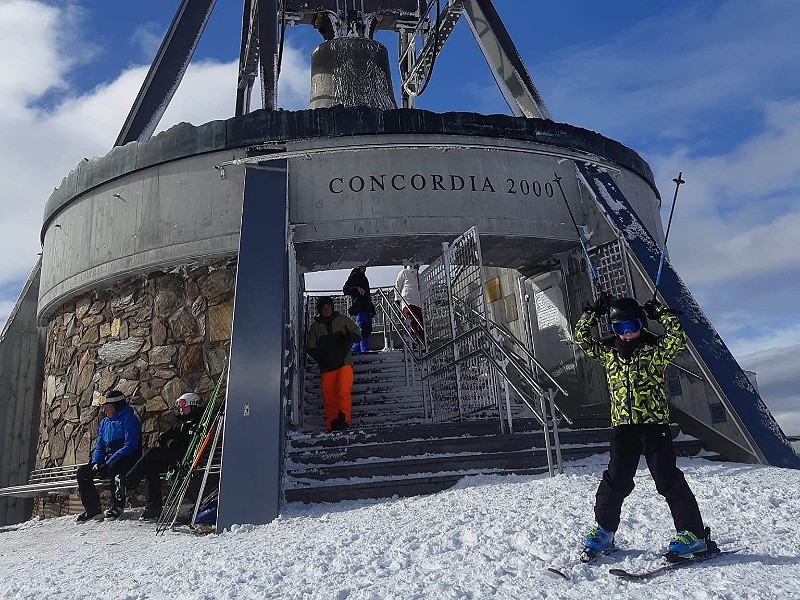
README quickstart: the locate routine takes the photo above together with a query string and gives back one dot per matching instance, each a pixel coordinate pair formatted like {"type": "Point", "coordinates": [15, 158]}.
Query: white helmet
{"type": "Point", "coordinates": [188, 399]}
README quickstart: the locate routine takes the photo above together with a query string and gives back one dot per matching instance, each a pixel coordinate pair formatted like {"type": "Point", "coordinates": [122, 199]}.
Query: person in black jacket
{"type": "Point", "coordinates": [357, 287]}
{"type": "Point", "coordinates": [172, 445]}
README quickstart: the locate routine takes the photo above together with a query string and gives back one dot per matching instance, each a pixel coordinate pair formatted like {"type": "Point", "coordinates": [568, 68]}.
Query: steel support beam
{"type": "Point", "coordinates": [268, 52]}
{"type": "Point", "coordinates": [167, 70]}
{"type": "Point", "coordinates": [248, 60]}
{"type": "Point", "coordinates": [504, 61]}
{"type": "Point", "coordinates": [252, 444]}
{"type": "Point", "coordinates": [258, 54]}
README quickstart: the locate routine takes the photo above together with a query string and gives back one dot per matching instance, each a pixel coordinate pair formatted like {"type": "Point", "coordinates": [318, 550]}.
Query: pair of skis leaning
{"type": "Point", "coordinates": [209, 427]}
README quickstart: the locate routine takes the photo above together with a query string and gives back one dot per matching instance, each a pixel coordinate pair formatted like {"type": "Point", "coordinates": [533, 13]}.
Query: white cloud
{"type": "Point", "coordinates": [675, 74]}
{"type": "Point", "coordinates": [147, 37]}
{"type": "Point", "coordinates": [42, 145]}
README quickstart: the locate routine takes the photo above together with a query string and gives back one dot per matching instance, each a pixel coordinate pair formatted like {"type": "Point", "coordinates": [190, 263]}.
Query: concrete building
{"type": "Point", "coordinates": [169, 255]}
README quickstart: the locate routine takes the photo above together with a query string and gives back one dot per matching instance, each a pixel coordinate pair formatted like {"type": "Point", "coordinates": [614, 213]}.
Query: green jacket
{"type": "Point", "coordinates": [329, 341]}
{"type": "Point", "coordinates": [636, 385]}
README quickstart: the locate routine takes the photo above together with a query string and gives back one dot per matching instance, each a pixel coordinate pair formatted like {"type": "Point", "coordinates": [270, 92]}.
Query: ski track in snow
{"type": "Point", "coordinates": [489, 537]}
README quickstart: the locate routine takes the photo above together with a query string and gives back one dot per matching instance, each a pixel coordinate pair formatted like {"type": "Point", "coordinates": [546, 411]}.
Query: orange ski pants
{"type": "Point", "coordinates": [336, 387]}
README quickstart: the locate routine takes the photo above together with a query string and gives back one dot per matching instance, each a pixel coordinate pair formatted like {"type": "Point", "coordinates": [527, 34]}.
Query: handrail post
{"type": "Point", "coordinates": [551, 393]}
{"type": "Point", "coordinates": [546, 429]}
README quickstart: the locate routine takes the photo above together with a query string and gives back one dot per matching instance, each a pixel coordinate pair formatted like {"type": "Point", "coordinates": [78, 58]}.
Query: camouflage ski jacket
{"type": "Point", "coordinates": [636, 385]}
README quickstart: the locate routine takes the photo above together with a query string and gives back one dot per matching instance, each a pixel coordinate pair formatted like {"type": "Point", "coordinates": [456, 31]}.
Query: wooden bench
{"type": "Point", "coordinates": [64, 480]}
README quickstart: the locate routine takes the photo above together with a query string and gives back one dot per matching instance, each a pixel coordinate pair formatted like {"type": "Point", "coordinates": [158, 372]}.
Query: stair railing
{"type": "Point", "coordinates": [549, 411]}
{"type": "Point", "coordinates": [508, 335]}
{"type": "Point", "coordinates": [490, 348]}
{"type": "Point", "coordinates": [396, 322]}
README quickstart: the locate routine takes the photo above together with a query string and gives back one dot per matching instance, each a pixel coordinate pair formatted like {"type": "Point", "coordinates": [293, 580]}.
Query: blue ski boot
{"type": "Point", "coordinates": [685, 545]}
{"type": "Point", "coordinates": [598, 541]}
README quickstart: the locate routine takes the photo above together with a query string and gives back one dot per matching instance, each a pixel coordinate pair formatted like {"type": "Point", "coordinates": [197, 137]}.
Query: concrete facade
{"type": "Point", "coordinates": [21, 352]}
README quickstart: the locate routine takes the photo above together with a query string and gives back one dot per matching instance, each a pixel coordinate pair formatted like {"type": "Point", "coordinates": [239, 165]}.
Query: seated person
{"type": "Point", "coordinates": [119, 445]}
{"type": "Point", "coordinates": [172, 446]}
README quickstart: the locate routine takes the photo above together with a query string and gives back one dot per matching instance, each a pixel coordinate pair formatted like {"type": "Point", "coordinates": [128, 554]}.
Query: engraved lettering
{"type": "Point", "coordinates": [341, 186]}
{"type": "Point", "coordinates": [487, 185]}
{"type": "Point", "coordinates": [394, 182]}
{"type": "Point", "coordinates": [418, 182]}
{"type": "Point", "coordinates": [510, 189]}
{"type": "Point", "coordinates": [453, 180]}
{"type": "Point", "coordinates": [437, 182]}
{"type": "Point", "coordinates": [376, 182]}
{"type": "Point", "coordinates": [355, 180]}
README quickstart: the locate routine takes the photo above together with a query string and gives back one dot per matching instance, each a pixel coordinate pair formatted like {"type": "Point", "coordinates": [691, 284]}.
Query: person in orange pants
{"type": "Point", "coordinates": [328, 342]}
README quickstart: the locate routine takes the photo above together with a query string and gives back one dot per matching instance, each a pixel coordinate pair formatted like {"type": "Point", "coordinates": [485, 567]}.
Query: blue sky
{"type": "Point", "coordinates": [710, 88]}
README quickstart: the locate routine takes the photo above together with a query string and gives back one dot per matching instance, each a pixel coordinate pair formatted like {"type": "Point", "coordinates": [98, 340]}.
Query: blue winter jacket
{"type": "Point", "coordinates": [119, 436]}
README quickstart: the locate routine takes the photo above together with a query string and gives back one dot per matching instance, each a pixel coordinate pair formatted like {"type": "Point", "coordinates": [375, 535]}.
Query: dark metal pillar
{"type": "Point", "coordinates": [503, 58]}
{"type": "Point", "coordinates": [268, 51]}
{"type": "Point", "coordinates": [167, 70]}
{"type": "Point", "coordinates": [252, 448]}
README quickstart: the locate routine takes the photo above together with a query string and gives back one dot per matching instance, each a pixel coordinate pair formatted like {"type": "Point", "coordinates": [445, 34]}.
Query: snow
{"type": "Point", "coordinates": [490, 537]}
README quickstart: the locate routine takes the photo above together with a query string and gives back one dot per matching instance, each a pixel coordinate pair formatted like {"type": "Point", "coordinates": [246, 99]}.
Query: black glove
{"type": "Point", "coordinates": [653, 308]}
{"type": "Point", "coordinates": [600, 306]}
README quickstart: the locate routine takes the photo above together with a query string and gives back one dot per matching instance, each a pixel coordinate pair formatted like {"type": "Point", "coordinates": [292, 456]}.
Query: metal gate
{"type": "Point", "coordinates": [458, 376]}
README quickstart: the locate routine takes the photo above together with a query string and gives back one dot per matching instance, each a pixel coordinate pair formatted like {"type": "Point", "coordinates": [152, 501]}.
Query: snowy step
{"type": "Point", "coordinates": [485, 462]}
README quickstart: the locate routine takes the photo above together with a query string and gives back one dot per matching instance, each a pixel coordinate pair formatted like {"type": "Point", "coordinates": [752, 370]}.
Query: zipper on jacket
{"type": "Point", "coordinates": [630, 390]}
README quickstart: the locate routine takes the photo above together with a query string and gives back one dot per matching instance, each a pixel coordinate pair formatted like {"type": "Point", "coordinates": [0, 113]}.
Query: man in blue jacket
{"type": "Point", "coordinates": [119, 446]}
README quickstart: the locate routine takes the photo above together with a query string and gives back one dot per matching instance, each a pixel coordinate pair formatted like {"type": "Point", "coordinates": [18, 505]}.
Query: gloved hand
{"type": "Point", "coordinates": [97, 467]}
{"type": "Point", "coordinates": [653, 308]}
{"type": "Point", "coordinates": [600, 306]}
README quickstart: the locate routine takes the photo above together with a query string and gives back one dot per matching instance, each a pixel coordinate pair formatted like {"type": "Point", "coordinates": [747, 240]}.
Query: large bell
{"type": "Point", "coordinates": [351, 71]}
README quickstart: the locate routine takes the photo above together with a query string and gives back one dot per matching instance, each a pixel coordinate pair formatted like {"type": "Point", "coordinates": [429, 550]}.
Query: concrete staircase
{"type": "Point", "coordinates": [381, 394]}
{"type": "Point", "coordinates": [390, 450]}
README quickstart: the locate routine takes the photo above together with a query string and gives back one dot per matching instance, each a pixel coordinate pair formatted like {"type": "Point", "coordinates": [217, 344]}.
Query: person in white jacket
{"type": "Point", "coordinates": [408, 296]}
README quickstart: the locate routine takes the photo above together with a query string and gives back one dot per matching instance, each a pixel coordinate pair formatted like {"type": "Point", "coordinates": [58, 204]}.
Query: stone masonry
{"type": "Point", "coordinates": [152, 337]}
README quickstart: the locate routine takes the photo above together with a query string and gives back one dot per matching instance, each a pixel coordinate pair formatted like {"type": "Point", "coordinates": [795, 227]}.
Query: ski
{"type": "Point", "coordinates": [587, 557]}
{"type": "Point", "coordinates": [671, 566]}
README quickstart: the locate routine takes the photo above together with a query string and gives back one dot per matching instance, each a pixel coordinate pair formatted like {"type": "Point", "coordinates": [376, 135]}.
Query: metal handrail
{"type": "Point", "coordinates": [513, 338]}
{"type": "Point", "coordinates": [383, 292]}
{"type": "Point", "coordinates": [399, 320]}
{"type": "Point", "coordinates": [483, 352]}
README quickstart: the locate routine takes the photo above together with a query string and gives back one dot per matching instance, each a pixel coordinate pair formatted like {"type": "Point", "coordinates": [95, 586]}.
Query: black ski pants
{"type": "Point", "coordinates": [90, 498]}
{"type": "Point", "coordinates": [628, 443]}
{"type": "Point", "coordinates": [155, 461]}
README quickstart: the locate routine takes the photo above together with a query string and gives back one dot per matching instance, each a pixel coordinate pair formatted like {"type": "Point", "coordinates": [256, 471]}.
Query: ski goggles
{"type": "Point", "coordinates": [629, 326]}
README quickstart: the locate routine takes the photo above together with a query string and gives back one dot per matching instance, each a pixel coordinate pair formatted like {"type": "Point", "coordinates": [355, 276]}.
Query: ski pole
{"type": "Point", "coordinates": [592, 270]}
{"type": "Point", "coordinates": [678, 181]}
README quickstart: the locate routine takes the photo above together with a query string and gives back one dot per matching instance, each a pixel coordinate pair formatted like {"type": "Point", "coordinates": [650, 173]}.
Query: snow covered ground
{"type": "Point", "coordinates": [491, 537]}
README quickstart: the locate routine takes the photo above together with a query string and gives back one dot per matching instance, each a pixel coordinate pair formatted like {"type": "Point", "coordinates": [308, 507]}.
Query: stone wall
{"type": "Point", "coordinates": [152, 337]}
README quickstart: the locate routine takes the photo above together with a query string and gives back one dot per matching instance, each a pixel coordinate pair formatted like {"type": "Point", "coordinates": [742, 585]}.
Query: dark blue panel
{"type": "Point", "coordinates": [252, 451]}
{"type": "Point", "coordinates": [741, 394]}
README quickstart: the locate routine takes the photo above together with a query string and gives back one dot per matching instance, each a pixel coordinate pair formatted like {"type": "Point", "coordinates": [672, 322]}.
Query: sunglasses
{"type": "Point", "coordinates": [629, 326]}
